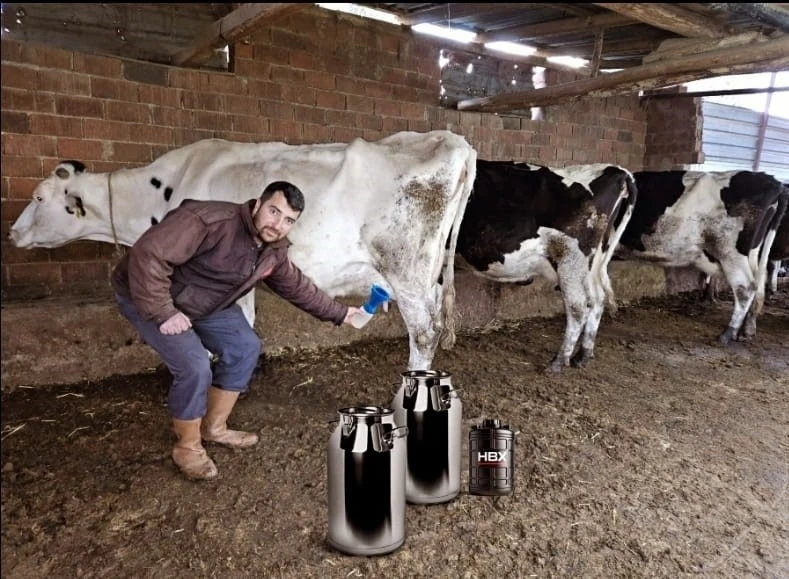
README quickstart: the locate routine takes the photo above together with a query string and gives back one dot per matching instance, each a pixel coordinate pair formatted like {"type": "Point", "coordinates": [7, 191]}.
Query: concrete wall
{"type": "Point", "coordinates": [67, 340]}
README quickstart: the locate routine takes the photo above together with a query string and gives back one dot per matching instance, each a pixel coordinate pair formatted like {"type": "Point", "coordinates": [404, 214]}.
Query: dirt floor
{"type": "Point", "coordinates": [666, 457]}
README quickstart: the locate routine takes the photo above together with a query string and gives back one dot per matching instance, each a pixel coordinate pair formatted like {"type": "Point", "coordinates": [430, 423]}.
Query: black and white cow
{"type": "Point", "coordinates": [715, 221]}
{"type": "Point", "coordinates": [525, 221]}
{"type": "Point", "coordinates": [376, 213]}
{"type": "Point", "coordinates": [778, 252]}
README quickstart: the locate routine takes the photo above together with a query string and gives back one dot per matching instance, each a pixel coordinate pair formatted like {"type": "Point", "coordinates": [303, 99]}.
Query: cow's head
{"type": "Point", "coordinates": [56, 215]}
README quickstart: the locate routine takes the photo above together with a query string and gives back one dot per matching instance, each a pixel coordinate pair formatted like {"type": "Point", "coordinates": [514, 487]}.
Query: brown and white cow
{"type": "Point", "coordinates": [376, 212]}
{"type": "Point", "coordinates": [526, 221]}
{"type": "Point", "coordinates": [718, 222]}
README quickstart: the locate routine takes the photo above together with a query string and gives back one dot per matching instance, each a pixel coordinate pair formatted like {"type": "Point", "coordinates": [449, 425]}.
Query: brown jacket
{"type": "Point", "coordinates": [203, 256]}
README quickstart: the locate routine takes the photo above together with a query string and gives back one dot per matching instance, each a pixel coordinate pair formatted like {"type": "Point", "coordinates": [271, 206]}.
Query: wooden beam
{"type": "Point", "coordinates": [669, 17]}
{"type": "Point", "coordinates": [757, 57]}
{"type": "Point", "coordinates": [563, 26]}
{"type": "Point", "coordinates": [230, 28]}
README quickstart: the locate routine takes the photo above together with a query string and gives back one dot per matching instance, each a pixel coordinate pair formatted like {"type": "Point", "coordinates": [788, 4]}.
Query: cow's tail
{"type": "Point", "coordinates": [617, 223]}
{"type": "Point", "coordinates": [466, 184]}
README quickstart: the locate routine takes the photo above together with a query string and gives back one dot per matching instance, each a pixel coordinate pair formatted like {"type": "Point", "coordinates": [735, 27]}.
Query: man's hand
{"type": "Point", "coordinates": [351, 312]}
{"type": "Point", "coordinates": [178, 323]}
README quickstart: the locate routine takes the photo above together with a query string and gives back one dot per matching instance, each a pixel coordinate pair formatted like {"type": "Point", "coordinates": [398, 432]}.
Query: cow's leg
{"type": "Point", "coordinates": [772, 275]}
{"type": "Point", "coordinates": [743, 285]}
{"type": "Point", "coordinates": [420, 308]}
{"type": "Point", "coordinates": [573, 275]}
{"type": "Point", "coordinates": [596, 300]}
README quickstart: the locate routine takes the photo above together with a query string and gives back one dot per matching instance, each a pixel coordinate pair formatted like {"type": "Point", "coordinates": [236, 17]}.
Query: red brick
{"type": "Point", "coordinates": [304, 114]}
{"type": "Point", "coordinates": [378, 90]}
{"type": "Point", "coordinates": [302, 59]}
{"type": "Point", "coordinates": [253, 125]}
{"type": "Point", "coordinates": [34, 273]}
{"type": "Point", "coordinates": [391, 125]}
{"type": "Point", "coordinates": [253, 69]}
{"type": "Point", "coordinates": [212, 120]}
{"type": "Point", "coordinates": [359, 104]}
{"type": "Point", "coordinates": [18, 100]}
{"type": "Point", "coordinates": [157, 95]}
{"type": "Point", "coordinates": [242, 50]}
{"type": "Point", "coordinates": [341, 118]}
{"type": "Point", "coordinates": [286, 131]}
{"type": "Point", "coordinates": [19, 188]}
{"type": "Point", "coordinates": [86, 271]}
{"type": "Point", "coordinates": [286, 74]}
{"type": "Point", "coordinates": [413, 111]}
{"type": "Point", "coordinates": [184, 78]}
{"type": "Point", "coordinates": [343, 134]}
{"type": "Point", "coordinates": [171, 117]}
{"type": "Point", "coordinates": [241, 104]}
{"type": "Point", "coordinates": [47, 56]}
{"type": "Point", "coordinates": [63, 82]}
{"type": "Point", "coordinates": [329, 100]}
{"type": "Point", "coordinates": [420, 126]}
{"type": "Point", "coordinates": [106, 88]}
{"type": "Point", "coordinates": [131, 152]}
{"type": "Point", "coordinates": [45, 103]}
{"type": "Point", "coordinates": [14, 166]}
{"type": "Point", "coordinates": [387, 108]}
{"type": "Point", "coordinates": [97, 65]}
{"type": "Point", "coordinates": [228, 84]}
{"type": "Point", "coordinates": [127, 112]}
{"type": "Point", "coordinates": [320, 80]}
{"type": "Point", "coordinates": [79, 107]}
{"type": "Point", "coordinates": [16, 255]}
{"type": "Point", "coordinates": [315, 133]}
{"type": "Point", "coordinates": [41, 124]}
{"type": "Point", "coordinates": [276, 110]}
{"type": "Point", "coordinates": [15, 122]}
{"type": "Point", "coordinates": [19, 76]}
{"type": "Point", "coordinates": [266, 90]}
{"type": "Point", "coordinates": [298, 94]}
{"type": "Point", "coordinates": [80, 149]}
{"type": "Point", "coordinates": [350, 85]}
{"type": "Point", "coordinates": [27, 145]}
{"type": "Point", "coordinates": [105, 130]}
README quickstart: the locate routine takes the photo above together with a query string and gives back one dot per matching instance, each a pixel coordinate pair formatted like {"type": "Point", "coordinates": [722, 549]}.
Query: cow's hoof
{"type": "Point", "coordinates": [556, 366]}
{"type": "Point", "coordinates": [727, 336]}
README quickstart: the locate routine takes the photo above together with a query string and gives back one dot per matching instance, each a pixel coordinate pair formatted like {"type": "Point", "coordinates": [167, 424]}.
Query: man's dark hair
{"type": "Point", "coordinates": [293, 195]}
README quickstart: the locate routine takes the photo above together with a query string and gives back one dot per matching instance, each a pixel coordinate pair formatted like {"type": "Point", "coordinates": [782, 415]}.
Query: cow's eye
{"type": "Point", "coordinates": [39, 198]}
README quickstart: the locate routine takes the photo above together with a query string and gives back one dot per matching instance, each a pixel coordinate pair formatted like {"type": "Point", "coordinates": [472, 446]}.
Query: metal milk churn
{"type": "Point", "coordinates": [428, 405]}
{"type": "Point", "coordinates": [366, 487]}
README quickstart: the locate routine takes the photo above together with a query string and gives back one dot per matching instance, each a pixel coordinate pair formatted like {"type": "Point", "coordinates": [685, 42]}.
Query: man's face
{"type": "Point", "coordinates": [274, 218]}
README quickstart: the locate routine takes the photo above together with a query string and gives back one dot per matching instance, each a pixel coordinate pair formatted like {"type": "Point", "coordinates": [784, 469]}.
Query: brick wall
{"type": "Point", "coordinates": [317, 76]}
{"type": "Point", "coordinates": [674, 138]}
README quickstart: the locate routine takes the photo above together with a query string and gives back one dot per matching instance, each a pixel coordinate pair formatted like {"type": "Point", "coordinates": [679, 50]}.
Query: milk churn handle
{"type": "Point", "coordinates": [399, 432]}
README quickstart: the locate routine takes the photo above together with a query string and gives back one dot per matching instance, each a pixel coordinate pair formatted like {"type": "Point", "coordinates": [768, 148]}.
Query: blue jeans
{"type": "Point", "coordinates": [225, 333]}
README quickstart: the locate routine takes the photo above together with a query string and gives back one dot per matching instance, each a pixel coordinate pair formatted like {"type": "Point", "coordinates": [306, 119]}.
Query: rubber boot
{"type": "Point", "coordinates": [188, 452]}
{"type": "Point", "coordinates": [214, 427]}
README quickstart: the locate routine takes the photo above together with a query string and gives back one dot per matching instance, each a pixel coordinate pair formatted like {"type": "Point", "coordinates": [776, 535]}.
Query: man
{"type": "Point", "coordinates": [178, 286]}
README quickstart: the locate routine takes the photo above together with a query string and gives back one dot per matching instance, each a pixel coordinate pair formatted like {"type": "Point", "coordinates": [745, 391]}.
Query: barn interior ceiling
{"type": "Point", "coordinates": [628, 47]}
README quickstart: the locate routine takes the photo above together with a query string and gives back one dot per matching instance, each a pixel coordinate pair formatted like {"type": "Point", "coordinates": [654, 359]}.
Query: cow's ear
{"type": "Point", "coordinates": [68, 168]}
